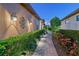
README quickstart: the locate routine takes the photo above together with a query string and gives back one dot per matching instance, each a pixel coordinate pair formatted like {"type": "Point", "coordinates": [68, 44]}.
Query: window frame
{"type": "Point", "coordinates": [77, 18]}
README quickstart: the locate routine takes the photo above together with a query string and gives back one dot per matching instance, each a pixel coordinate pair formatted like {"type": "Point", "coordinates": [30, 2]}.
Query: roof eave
{"type": "Point", "coordinates": [30, 9]}
{"type": "Point", "coordinates": [71, 14]}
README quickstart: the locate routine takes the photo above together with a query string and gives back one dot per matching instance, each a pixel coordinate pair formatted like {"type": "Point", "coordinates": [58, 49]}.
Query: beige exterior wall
{"type": "Point", "coordinates": [36, 23]}
{"type": "Point", "coordinates": [8, 27]}
{"type": "Point", "coordinates": [70, 23]}
{"type": "Point", "coordinates": [42, 24]}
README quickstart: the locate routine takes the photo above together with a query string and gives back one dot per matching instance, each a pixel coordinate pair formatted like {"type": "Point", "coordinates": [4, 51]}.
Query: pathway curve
{"type": "Point", "coordinates": [45, 47]}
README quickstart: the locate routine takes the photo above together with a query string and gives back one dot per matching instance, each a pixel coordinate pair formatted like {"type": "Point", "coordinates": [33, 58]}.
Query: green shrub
{"type": "Point", "coordinates": [20, 43]}
{"type": "Point", "coordinates": [2, 50]}
{"type": "Point", "coordinates": [71, 33]}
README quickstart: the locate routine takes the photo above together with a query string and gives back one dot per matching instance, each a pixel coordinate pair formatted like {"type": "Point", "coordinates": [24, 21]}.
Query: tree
{"type": "Point", "coordinates": [55, 23]}
{"type": "Point", "coordinates": [47, 27]}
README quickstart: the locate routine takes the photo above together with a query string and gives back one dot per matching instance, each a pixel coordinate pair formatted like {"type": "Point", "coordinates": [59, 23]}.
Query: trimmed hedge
{"type": "Point", "coordinates": [20, 44]}
{"type": "Point", "coordinates": [71, 33]}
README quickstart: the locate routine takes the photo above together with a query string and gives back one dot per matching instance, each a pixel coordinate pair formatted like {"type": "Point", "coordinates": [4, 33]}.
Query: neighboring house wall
{"type": "Point", "coordinates": [42, 24]}
{"type": "Point", "coordinates": [8, 27]}
{"type": "Point", "coordinates": [70, 23]}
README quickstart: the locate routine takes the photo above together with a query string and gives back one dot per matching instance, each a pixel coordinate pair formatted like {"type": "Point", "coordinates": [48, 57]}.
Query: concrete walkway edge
{"type": "Point", "coordinates": [45, 47]}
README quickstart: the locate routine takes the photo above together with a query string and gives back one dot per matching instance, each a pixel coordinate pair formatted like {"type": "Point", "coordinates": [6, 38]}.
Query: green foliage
{"type": "Point", "coordinates": [55, 23]}
{"type": "Point", "coordinates": [18, 44]}
{"type": "Point", "coordinates": [2, 50]}
{"type": "Point", "coordinates": [47, 28]}
{"type": "Point", "coordinates": [71, 33]}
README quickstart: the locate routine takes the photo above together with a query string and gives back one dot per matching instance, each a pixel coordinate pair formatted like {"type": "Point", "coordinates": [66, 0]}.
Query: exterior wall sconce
{"type": "Point", "coordinates": [30, 23]}
{"type": "Point", "coordinates": [14, 18]}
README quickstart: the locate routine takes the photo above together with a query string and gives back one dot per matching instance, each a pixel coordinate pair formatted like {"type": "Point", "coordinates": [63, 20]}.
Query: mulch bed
{"type": "Point", "coordinates": [65, 46]}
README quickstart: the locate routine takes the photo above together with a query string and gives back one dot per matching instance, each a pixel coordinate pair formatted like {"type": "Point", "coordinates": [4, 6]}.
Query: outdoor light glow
{"type": "Point", "coordinates": [30, 23]}
{"type": "Point", "coordinates": [14, 18]}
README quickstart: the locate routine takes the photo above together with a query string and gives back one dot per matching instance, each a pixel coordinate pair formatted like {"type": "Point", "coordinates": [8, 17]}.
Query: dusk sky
{"type": "Point", "coordinates": [49, 10]}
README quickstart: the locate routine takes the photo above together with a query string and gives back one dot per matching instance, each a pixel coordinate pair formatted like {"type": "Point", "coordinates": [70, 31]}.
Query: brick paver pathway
{"type": "Point", "coordinates": [45, 47]}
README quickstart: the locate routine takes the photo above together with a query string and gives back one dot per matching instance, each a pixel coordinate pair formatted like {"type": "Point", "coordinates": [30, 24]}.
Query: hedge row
{"type": "Point", "coordinates": [20, 44]}
{"type": "Point", "coordinates": [71, 33]}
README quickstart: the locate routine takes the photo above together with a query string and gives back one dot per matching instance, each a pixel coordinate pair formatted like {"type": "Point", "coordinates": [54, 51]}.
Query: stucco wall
{"type": "Point", "coordinates": [8, 27]}
{"type": "Point", "coordinates": [70, 23]}
{"type": "Point", "coordinates": [36, 23]}
{"type": "Point", "coordinates": [3, 25]}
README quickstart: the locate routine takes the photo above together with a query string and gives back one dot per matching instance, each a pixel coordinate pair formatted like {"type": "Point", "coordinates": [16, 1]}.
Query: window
{"type": "Point", "coordinates": [22, 22]}
{"type": "Point", "coordinates": [65, 21]}
{"type": "Point", "coordinates": [77, 18]}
